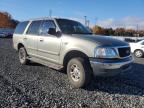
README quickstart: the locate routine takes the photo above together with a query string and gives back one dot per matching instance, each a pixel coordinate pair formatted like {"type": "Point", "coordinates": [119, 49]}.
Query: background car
{"type": "Point", "coordinates": [137, 48]}
{"type": "Point", "coordinates": [6, 35]}
{"type": "Point", "coordinates": [2, 34]}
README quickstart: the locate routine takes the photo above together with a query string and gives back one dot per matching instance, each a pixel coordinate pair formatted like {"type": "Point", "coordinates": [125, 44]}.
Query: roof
{"type": "Point", "coordinates": [45, 18]}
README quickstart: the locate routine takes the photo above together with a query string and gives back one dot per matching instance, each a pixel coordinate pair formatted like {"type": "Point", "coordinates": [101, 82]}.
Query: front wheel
{"type": "Point", "coordinates": [79, 72]}
{"type": "Point", "coordinates": [139, 53]}
{"type": "Point", "coordinates": [23, 56]}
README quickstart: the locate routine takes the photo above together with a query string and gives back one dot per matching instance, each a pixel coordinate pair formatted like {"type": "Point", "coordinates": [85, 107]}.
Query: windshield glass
{"type": "Point", "coordinates": [142, 42]}
{"type": "Point", "coordinates": [72, 27]}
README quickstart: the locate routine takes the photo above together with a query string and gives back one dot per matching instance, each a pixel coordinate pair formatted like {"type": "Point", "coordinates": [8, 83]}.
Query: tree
{"type": "Point", "coordinates": [109, 32]}
{"type": "Point", "coordinates": [130, 32]}
{"type": "Point", "coordinates": [141, 33]}
{"type": "Point", "coordinates": [98, 30]}
{"type": "Point", "coordinates": [6, 20]}
{"type": "Point", "coordinates": [117, 32]}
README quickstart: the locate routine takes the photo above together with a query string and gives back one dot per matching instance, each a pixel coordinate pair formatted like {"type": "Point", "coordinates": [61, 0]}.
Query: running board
{"type": "Point", "coordinates": [46, 63]}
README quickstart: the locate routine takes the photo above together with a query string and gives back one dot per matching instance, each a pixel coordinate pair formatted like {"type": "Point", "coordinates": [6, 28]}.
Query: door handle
{"type": "Point", "coordinates": [41, 40]}
{"type": "Point", "coordinates": [25, 38]}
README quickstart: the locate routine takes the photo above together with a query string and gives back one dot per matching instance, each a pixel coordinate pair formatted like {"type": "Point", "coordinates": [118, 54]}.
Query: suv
{"type": "Point", "coordinates": [67, 44]}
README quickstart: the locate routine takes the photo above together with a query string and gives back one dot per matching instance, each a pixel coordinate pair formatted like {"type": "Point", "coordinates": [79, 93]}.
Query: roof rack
{"type": "Point", "coordinates": [43, 18]}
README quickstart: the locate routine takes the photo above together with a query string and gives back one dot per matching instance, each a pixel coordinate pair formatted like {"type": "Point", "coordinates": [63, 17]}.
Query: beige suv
{"type": "Point", "coordinates": [67, 44]}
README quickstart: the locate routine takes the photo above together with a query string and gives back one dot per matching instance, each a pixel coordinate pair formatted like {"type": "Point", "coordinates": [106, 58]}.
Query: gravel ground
{"type": "Point", "coordinates": [38, 86]}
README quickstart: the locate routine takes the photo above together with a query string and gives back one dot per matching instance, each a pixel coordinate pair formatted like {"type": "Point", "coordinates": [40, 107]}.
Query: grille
{"type": "Point", "coordinates": [124, 52]}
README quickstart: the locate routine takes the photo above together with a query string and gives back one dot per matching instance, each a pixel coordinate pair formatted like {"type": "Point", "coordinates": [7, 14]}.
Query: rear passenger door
{"type": "Point", "coordinates": [48, 45]}
{"type": "Point", "coordinates": [31, 37]}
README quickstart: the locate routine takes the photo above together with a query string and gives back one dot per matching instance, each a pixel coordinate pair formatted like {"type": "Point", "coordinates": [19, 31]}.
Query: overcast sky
{"type": "Point", "coordinates": [106, 13]}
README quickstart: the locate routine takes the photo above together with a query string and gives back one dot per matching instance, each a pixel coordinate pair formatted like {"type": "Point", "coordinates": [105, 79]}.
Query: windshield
{"type": "Point", "coordinates": [72, 27]}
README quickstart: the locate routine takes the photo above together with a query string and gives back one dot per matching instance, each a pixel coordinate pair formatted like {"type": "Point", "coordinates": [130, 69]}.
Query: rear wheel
{"type": "Point", "coordinates": [23, 56]}
{"type": "Point", "coordinates": [79, 72]}
{"type": "Point", "coordinates": [139, 53]}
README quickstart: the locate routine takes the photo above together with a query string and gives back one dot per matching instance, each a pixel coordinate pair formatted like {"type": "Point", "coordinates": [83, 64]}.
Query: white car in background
{"type": "Point", "coordinates": [137, 48]}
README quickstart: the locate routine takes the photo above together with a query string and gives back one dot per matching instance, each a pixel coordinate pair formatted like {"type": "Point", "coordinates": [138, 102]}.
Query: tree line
{"type": "Point", "coordinates": [116, 32]}
{"type": "Point", "coordinates": [6, 20]}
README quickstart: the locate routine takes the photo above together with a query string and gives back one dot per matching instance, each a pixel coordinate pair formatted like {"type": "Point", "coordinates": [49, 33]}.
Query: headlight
{"type": "Point", "coordinates": [105, 53]}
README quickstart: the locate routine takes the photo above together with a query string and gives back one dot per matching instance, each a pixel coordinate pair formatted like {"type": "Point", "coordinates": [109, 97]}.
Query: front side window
{"type": "Point", "coordinates": [21, 27]}
{"type": "Point", "coordinates": [45, 27]}
{"type": "Point", "coordinates": [72, 27]}
{"type": "Point", "coordinates": [34, 28]}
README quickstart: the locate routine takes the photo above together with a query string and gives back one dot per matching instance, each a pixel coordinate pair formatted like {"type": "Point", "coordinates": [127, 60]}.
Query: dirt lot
{"type": "Point", "coordinates": [38, 86]}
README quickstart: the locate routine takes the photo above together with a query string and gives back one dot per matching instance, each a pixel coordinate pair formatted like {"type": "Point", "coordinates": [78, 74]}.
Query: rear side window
{"type": "Point", "coordinates": [21, 27]}
{"type": "Point", "coordinates": [45, 26]}
{"type": "Point", "coordinates": [34, 28]}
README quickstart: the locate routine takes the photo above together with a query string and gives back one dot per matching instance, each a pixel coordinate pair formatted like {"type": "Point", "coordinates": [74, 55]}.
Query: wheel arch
{"type": "Point", "coordinates": [20, 45]}
{"type": "Point", "coordinates": [74, 53]}
{"type": "Point", "coordinates": [138, 49]}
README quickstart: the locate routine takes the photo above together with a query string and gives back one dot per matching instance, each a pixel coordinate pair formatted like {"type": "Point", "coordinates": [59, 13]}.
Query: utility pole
{"type": "Point", "coordinates": [137, 27]}
{"type": "Point", "coordinates": [85, 17]}
{"type": "Point", "coordinates": [88, 23]}
{"type": "Point", "coordinates": [50, 13]}
{"type": "Point", "coordinates": [96, 21]}
{"type": "Point", "coordinates": [137, 30]}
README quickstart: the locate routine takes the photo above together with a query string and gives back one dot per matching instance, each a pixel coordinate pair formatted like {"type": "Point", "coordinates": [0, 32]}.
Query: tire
{"type": "Point", "coordinates": [139, 53]}
{"type": "Point", "coordinates": [23, 56]}
{"type": "Point", "coordinates": [79, 72]}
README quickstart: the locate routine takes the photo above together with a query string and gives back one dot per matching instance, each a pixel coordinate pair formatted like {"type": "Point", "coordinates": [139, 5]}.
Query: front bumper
{"type": "Point", "coordinates": [109, 67]}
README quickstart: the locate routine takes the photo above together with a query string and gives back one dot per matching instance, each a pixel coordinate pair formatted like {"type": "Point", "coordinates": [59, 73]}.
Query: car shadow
{"type": "Point", "coordinates": [35, 64]}
{"type": "Point", "coordinates": [129, 83]}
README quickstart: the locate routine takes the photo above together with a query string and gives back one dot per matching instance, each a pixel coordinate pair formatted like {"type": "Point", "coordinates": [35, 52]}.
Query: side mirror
{"type": "Point", "coordinates": [52, 31]}
{"type": "Point", "coordinates": [58, 33]}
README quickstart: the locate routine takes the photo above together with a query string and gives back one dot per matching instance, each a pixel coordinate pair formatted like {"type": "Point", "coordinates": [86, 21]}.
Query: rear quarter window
{"type": "Point", "coordinates": [21, 27]}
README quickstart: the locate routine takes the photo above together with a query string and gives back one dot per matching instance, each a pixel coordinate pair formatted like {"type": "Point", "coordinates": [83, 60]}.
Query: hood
{"type": "Point", "coordinates": [102, 40]}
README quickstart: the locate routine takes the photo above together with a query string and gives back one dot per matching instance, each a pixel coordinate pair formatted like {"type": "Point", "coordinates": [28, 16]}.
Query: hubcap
{"type": "Point", "coordinates": [138, 53]}
{"type": "Point", "coordinates": [75, 72]}
{"type": "Point", "coordinates": [22, 55]}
